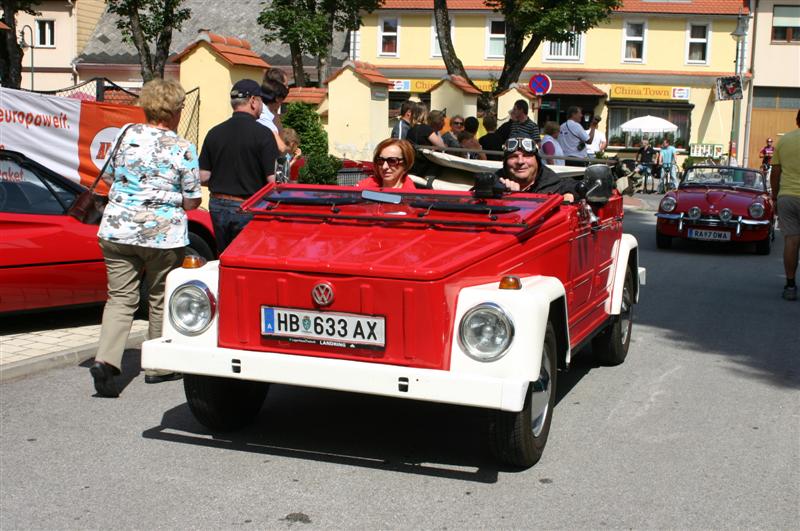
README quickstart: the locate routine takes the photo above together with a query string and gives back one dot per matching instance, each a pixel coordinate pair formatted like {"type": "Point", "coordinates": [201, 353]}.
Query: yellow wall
{"type": "Point", "coordinates": [447, 96]}
{"type": "Point", "coordinates": [51, 65]}
{"type": "Point", "coordinates": [205, 69]}
{"type": "Point", "coordinates": [357, 122]}
{"type": "Point", "coordinates": [665, 44]}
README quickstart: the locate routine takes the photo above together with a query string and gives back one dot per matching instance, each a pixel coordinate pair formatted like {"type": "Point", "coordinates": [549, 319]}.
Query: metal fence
{"type": "Point", "coordinates": [104, 90]}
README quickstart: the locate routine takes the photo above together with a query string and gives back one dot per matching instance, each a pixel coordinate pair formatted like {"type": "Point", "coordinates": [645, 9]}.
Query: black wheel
{"type": "Point", "coordinates": [610, 346]}
{"type": "Point", "coordinates": [649, 185]}
{"type": "Point", "coordinates": [223, 404]}
{"type": "Point", "coordinates": [663, 241]}
{"type": "Point", "coordinates": [765, 246]}
{"type": "Point", "coordinates": [518, 439]}
{"type": "Point", "coordinates": [199, 247]}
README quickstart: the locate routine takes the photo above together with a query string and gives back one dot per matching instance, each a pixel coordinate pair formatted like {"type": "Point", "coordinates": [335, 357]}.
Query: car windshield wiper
{"type": "Point", "coordinates": [332, 201]}
{"type": "Point", "coordinates": [471, 208]}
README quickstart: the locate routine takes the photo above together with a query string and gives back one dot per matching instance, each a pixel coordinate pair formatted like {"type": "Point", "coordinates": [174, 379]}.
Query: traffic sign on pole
{"type": "Point", "coordinates": [540, 84]}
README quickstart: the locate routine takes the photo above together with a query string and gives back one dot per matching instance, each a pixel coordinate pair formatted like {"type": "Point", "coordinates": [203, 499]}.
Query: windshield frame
{"type": "Point", "coordinates": [723, 177]}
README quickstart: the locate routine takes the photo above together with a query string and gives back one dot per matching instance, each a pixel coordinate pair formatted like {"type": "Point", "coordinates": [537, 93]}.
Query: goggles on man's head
{"type": "Point", "coordinates": [521, 144]}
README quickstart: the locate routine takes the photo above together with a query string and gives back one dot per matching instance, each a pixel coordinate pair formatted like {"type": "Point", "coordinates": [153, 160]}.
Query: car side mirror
{"type": "Point", "coordinates": [599, 182]}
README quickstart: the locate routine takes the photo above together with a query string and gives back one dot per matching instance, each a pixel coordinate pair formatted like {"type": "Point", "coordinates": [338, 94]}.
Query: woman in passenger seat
{"type": "Point", "coordinates": [393, 157]}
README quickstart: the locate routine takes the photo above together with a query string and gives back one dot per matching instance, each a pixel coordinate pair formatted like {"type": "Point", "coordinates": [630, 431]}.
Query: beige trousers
{"type": "Point", "coordinates": [126, 267]}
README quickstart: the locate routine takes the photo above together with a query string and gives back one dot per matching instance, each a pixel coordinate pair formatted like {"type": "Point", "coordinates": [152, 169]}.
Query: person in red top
{"type": "Point", "coordinates": [393, 158]}
{"type": "Point", "coordinates": [766, 154]}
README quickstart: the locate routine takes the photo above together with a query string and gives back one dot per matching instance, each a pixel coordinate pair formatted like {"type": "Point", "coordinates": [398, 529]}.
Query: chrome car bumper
{"type": "Point", "coordinates": [708, 221]}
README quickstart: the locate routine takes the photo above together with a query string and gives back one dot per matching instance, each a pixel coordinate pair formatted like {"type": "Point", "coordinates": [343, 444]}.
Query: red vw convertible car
{"type": "Point", "coordinates": [47, 258]}
{"type": "Point", "coordinates": [718, 204]}
{"type": "Point", "coordinates": [456, 297]}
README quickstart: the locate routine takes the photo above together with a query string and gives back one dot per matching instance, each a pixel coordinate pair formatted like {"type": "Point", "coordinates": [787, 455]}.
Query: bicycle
{"type": "Point", "coordinates": [668, 178]}
{"type": "Point", "coordinates": [648, 179]}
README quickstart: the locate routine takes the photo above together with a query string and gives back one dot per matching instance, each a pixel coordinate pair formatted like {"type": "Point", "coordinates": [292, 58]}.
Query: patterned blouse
{"type": "Point", "coordinates": [153, 171]}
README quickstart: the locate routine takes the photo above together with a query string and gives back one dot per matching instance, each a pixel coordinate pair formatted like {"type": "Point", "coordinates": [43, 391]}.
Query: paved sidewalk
{"type": "Point", "coordinates": [37, 342]}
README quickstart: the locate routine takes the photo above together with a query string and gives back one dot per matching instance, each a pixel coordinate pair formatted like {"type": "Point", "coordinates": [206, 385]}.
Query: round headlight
{"type": "Point", "coordinates": [668, 204]}
{"type": "Point", "coordinates": [756, 210]}
{"type": "Point", "coordinates": [694, 212]}
{"type": "Point", "coordinates": [486, 332]}
{"type": "Point", "coordinates": [191, 308]}
{"type": "Point", "coordinates": [725, 214]}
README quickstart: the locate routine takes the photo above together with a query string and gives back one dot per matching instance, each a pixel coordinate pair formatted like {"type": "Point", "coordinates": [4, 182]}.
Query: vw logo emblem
{"type": "Point", "coordinates": [322, 294]}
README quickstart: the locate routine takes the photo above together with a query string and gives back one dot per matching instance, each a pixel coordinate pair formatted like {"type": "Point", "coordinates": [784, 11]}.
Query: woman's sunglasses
{"type": "Point", "coordinates": [525, 144]}
{"type": "Point", "coordinates": [456, 123]}
{"type": "Point", "coordinates": [391, 161]}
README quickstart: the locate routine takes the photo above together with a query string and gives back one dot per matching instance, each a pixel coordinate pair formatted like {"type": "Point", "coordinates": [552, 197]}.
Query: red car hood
{"type": "Point", "coordinates": [715, 199]}
{"type": "Point", "coordinates": [373, 248]}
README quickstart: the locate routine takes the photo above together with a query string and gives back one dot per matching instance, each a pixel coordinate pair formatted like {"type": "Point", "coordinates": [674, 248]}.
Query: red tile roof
{"type": "Point", "coordinates": [705, 7]}
{"type": "Point", "coordinates": [311, 95]}
{"type": "Point", "coordinates": [561, 87]}
{"type": "Point", "coordinates": [363, 70]}
{"type": "Point", "coordinates": [232, 50]}
{"type": "Point", "coordinates": [3, 26]}
{"type": "Point", "coordinates": [460, 83]}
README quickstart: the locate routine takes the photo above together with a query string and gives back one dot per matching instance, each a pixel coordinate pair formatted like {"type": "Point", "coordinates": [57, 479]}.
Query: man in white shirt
{"type": "Point", "coordinates": [598, 143]}
{"type": "Point", "coordinates": [274, 92]}
{"type": "Point", "coordinates": [574, 138]}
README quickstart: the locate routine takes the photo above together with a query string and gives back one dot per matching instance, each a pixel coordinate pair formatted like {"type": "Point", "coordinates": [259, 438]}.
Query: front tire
{"type": "Point", "coordinates": [223, 404]}
{"type": "Point", "coordinates": [610, 346]}
{"type": "Point", "coordinates": [518, 439]}
{"type": "Point", "coordinates": [663, 241]}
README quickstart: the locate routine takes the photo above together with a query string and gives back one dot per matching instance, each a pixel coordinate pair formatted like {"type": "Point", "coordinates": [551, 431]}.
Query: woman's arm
{"type": "Point", "coordinates": [191, 204]}
{"type": "Point", "coordinates": [436, 140]}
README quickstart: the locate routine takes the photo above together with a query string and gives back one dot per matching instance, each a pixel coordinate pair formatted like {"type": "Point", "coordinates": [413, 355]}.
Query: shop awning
{"type": "Point", "coordinates": [570, 87]}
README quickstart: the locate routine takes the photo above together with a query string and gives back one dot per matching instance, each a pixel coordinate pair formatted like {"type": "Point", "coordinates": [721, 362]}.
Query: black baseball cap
{"type": "Point", "coordinates": [244, 88]}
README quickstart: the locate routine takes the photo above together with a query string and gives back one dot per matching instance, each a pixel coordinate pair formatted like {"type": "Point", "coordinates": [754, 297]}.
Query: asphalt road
{"type": "Point", "coordinates": [698, 429]}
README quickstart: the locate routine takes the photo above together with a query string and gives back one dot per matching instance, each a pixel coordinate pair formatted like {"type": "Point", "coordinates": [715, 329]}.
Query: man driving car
{"type": "Point", "coordinates": [523, 171]}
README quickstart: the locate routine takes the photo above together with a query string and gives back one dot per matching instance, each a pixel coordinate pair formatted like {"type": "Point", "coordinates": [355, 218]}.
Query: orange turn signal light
{"type": "Point", "coordinates": [510, 282]}
{"type": "Point", "coordinates": [192, 261]}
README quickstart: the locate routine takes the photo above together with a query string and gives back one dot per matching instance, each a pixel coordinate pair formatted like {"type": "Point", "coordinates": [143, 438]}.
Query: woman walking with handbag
{"type": "Point", "coordinates": [144, 230]}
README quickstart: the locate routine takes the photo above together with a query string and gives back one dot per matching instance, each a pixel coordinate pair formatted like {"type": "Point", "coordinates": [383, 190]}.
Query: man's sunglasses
{"type": "Point", "coordinates": [525, 144]}
{"type": "Point", "coordinates": [456, 123]}
{"type": "Point", "coordinates": [391, 161]}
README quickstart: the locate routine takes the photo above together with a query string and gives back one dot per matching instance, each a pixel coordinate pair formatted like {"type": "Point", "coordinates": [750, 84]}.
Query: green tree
{"type": "Point", "coordinates": [308, 26]}
{"type": "Point", "coordinates": [149, 24]}
{"type": "Point", "coordinates": [320, 168]}
{"type": "Point", "coordinates": [10, 50]}
{"type": "Point", "coordinates": [536, 20]}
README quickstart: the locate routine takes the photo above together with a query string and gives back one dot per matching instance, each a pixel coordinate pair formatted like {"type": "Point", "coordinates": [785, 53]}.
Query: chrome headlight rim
{"type": "Point", "coordinates": [694, 213]}
{"type": "Point", "coordinates": [204, 290]}
{"type": "Point", "coordinates": [497, 310]}
{"type": "Point", "coordinates": [668, 204]}
{"type": "Point", "coordinates": [756, 210]}
{"type": "Point", "coordinates": [726, 214]}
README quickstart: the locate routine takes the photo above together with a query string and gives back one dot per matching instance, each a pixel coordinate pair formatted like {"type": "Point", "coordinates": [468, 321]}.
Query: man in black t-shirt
{"type": "Point", "coordinates": [491, 141]}
{"type": "Point", "coordinates": [237, 159]}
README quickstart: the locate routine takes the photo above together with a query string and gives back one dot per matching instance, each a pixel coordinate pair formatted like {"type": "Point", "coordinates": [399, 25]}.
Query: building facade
{"type": "Point", "coordinates": [776, 73]}
{"type": "Point", "coordinates": [661, 58]}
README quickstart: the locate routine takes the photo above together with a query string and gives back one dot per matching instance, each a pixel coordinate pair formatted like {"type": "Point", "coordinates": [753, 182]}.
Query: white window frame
{"type": "Point", "coordinates": [381, 34]}
{"type": "Point", "coordinates": [51, 33]}
{"type": "Point", "coordinates": [355, 45]}
{"type": "Point", "coordinates": [690, 40]}
{"type": "Point", "coordinates": [435, 41]}
{"type": "Point", "coordinates": [547, 58]}
{"type": "Point", "coordinates": [488, 40]}
{"type": "Point", "coordinates": [625, 40]}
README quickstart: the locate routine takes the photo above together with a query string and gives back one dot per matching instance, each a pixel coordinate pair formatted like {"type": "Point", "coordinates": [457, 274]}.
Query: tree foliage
{"type": "Point", "coordinates": [303, 118]}
{"type": "Point", "coordinates": [308, 26]}
{"type": "Point", "coordinates": [536, 20]}
{"type": "Point", "coordinates": [149, 24]}
{"type": "Point", "coordinates": [10, 50]}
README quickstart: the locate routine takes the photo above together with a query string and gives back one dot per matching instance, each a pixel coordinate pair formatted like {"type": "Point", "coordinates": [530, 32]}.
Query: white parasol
{"type": "Point", "coordinates": [649, 124]}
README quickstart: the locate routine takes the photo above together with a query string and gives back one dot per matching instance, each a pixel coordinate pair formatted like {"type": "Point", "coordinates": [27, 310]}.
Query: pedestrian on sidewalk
{"type": "Point", "coordinates": [785, 181]}
{"type": "Point", "coordinates": [144, 230]}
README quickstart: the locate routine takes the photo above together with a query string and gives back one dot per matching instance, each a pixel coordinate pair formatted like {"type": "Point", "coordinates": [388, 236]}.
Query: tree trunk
{"type": "Point", "coordinates": [516, 57]}
{"type": "Point", "coordinates": [139, 41]}
{"type": "Point", "coordinates": [451, 61]}
{"type": "Point", "coordinates": [324, 62]}
{"type": "Point", "coordinates": [10, 51]}
{"type": "Point", "coordinates": [297, 65]}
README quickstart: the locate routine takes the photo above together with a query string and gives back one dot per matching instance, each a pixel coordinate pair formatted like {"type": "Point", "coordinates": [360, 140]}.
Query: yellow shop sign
{"type": "Point", "coordinates": [424, 85]}
{"type": "Point", "coordinates": [649, 92]}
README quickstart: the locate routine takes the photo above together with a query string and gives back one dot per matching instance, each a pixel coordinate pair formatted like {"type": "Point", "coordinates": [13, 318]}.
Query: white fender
{"type": "Point", "coordinates": [528, 309]}
{"type": "Point", "coordinates": [208, 275]}
{"type": "Point", "coordinates": [626, 245]}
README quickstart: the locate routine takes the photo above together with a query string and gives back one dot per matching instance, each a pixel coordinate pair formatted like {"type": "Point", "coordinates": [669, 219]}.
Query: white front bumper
{"type": "Point", "coordinates": [341, 375]}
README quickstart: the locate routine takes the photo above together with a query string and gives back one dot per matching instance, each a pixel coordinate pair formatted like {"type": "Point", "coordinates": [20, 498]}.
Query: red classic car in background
{"type": "Point", "coordinates": [469, 298]}
{"type": "Point", "coordinates": [47, 258]}
{"type": "Point", "coordinates": [720, 204]}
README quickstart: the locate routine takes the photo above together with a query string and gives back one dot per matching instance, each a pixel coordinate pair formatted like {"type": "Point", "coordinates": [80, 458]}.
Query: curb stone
{"type": "Point", "coordinates": [64, 358]}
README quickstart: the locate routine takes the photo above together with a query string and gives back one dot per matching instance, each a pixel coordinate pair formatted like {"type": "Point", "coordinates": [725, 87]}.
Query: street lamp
{"type": "Point", "coordinates": [24, 45]}
{"type": "Point", "coordinates": [738, 35]}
